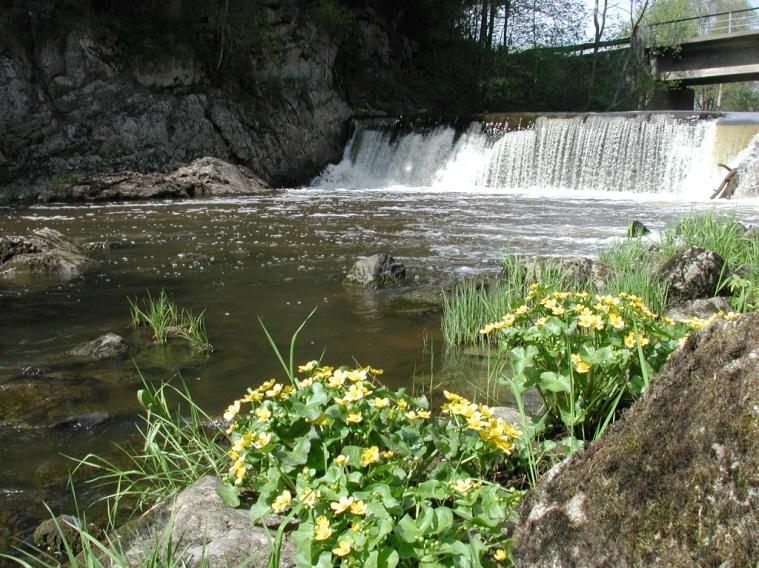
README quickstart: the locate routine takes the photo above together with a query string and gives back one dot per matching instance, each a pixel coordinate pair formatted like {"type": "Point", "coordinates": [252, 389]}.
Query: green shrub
{"type": "Point", "coordinates": [373, 477]}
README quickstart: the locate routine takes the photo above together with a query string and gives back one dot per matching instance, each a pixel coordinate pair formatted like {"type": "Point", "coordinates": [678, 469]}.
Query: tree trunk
{"type": "Point", "coordinates": [484, 22]}
{"type": "Point", "coordinates": [491, 23]}
{"type": "Point", "coordinates": [506, 16]}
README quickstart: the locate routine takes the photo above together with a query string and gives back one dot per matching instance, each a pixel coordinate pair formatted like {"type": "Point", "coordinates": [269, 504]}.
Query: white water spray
{"type": "Point", "coordinates": [638, 153]}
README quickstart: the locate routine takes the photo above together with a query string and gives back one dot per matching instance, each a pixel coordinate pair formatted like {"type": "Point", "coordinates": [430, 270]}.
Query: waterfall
{"type": "Point", "coordinates": [634, 152]}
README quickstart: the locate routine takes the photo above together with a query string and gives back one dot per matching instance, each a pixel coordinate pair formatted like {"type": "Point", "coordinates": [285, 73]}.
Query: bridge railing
{"type": "Point", "coordinates": [675, 32]}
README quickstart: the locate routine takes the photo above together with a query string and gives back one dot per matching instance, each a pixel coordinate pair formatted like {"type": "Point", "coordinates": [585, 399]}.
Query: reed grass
{"type": "Point", "coordinates": [165, 320]}
{"type": "Point", "coordinates": [180, 445]}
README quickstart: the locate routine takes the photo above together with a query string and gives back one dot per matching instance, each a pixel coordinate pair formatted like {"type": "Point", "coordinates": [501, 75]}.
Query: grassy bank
{"type": "Point", "coordinates": [632, 264]}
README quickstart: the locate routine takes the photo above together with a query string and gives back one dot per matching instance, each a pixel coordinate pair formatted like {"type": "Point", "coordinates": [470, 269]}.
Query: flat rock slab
{"type": "Point", "coordinates": [674, 482]}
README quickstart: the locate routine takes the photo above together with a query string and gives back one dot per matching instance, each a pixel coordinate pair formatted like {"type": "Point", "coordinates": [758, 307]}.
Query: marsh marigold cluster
{"type": "Point", "coordinates": [347, 455]}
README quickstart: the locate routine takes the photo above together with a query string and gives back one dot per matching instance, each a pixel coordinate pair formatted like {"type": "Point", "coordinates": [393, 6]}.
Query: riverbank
{"type": "Point", "coordinates": [194, 365]}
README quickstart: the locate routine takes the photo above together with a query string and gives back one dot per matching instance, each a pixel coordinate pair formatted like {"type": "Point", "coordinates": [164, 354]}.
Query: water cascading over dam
{"type": "Point", "coordinates": [659, 153]}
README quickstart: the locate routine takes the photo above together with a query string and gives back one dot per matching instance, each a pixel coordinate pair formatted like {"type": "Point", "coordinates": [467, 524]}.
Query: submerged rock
{"type": "Point", "coordinates": [46, 252]}
{"type": "Point", "coordinates": [53, 535]}
{"type": "Point", "coordinates": [691, 275]}
{"type": "Point", "coordinates": [42, 403]}
{"type": "Point", "coordinates": [203, 532]}
{"type": "Point", "coordinates": [204, 177]}
{"type": "Point", "coordinates": [671, 484]}
{"type": "Point", "coordinates": [376, 271]}
{"type": "Point", "coordinates": [108, 346]}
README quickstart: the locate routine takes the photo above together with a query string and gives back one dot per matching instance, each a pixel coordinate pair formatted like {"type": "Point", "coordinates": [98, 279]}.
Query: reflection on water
{"type": "Point", "coordinates": [275, 257]}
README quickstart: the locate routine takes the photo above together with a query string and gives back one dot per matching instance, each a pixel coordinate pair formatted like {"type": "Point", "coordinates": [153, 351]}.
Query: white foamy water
{"type": "Point", "coordinates": [586, 154]}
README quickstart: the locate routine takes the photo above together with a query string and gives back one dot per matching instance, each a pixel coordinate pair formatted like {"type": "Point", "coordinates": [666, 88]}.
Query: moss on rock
{"type": "Point", "coordinates": [675, 482]}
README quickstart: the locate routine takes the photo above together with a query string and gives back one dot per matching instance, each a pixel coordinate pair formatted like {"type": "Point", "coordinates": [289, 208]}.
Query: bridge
{"type": "Point", "coordinates": [704, 50]}
{"type": "Point", "coordinates": [715, 48]}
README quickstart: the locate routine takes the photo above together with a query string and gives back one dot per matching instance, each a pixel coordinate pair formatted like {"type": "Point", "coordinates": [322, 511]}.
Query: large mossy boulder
{"type": "Point", "coordinates": [674, 483]}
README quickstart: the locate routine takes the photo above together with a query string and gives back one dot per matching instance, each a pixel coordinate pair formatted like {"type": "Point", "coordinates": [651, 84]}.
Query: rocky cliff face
{"type": "Point", "coordinates": [72, 102]}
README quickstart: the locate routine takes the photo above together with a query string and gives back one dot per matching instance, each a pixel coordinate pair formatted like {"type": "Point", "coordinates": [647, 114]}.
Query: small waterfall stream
{"type": "Point", "coordinates": [632, 153]}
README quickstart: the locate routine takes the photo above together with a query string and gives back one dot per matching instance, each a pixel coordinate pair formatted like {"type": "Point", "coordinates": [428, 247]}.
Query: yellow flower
{"type": "Point", "coordinates": [453, 397]}
{"type": "Point", "coordinates": [238, 469]}
{"type": "Point", "coordinates": [421, 414]}
{"type": "Point", "coordinates": [343, 548]}
{"type": "Point", "coordinates": [380, 402]}
{"type": "Point", "coordinates": [356, 392]}
{"type": "Point", "coordinates": [253, 396]}
{"type": "Point", "coordinates": [341, 460]}
{"type": "Point", "coordinates": [337, 379]}
{"type": "Point", "coordinates": [508, 319]}
{"type": "Point", "coordinates": [356, 526]}
{"type": "Point", "coordinates": [463, 485]}
{"type": "Point", "coordinates": [499, 554]}
{"type": "Point", "coordinates": [262, 439]}
{"type": "Point", "coordinates": [633, 338]}
{"type": "Point", "coordinates": [521, 310]}
{"type": "Point", "coordinates": [282, 502]}
{"type": "Point", "coordinates": [387, 454]}
{"type": "Point", "coordinates": [357, 375]}
{"type": "Point", "coordinates": [322, 530]}
{"type": "Point", "coordinates": [309, 497]}
{"type": "Point", "coordinates": [341, 505]}
{"type": "Point", "coordinates": [370, 455]}
{"type": "Point", "coordinates": [616, 321]}
{"type": "Point", "coordinates": [582, 367]}
{"type": "Point", "coordinates": [402, 404]}
{"type": "Point", "coordinates": [475, 422]}
{"type": "Point", "coordinates": [540, 322]}
{"type": "Point", "coordinates": [589, 320]}
{"type": "Point", "coordinates": [232, 411]}
{"type": "Point", "coordinates": [358, 508]}
{"type": "Point", "coordinates": [354, 418]}
{"type": "Point", "coordinates": [308, 367]}
{"type": "Point", "coordinates": [305, 383]}
{"type": "Point", "coordinates": [322, 420]}
{"type": "Point", "coordinates": [263, 414]}
{"type": "Point", "coordinates": [274, 391]}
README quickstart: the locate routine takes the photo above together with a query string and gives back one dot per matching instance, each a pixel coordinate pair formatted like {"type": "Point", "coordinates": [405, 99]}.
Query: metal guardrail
{"type": "Point", "coordinates": [674, 32]}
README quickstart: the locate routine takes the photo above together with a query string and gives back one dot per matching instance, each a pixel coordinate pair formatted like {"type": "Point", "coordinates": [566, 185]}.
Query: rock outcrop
{"type": "Point", "coordinates": [46, 252]}
{"type": "Point", "coordinates": [204, 177]}
{"type": "Point", "coordinates": [203, 532]}
{"type": "Point", "coordinates": [75, 102]}
{"type": "Point", "coordinates": [671, 484]}
{"type": "Point", "coordinates": [376, 271]}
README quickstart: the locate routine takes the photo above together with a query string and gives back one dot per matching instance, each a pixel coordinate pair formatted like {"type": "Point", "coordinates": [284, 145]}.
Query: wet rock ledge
{"type": "Point", "coordinates": [204, 177]}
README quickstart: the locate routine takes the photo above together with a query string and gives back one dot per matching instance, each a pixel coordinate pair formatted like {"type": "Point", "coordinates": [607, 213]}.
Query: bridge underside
{"type": "Point", "coordinates": [716, 59]}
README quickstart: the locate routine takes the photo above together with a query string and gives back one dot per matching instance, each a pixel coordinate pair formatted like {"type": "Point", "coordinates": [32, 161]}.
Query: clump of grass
{"type": "Point", "coordinates": [166, 320]}
{"type": "Point", "coordinates": [634, 266]}
{"type": "Point", "coordinates": [180, 446]}
{"type": "Point", "coordinates": [473, 304]}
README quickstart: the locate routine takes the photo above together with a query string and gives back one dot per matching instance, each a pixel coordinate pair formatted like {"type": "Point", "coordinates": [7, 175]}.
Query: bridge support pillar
{"type": "Point", "coordinates": [681, 98]}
